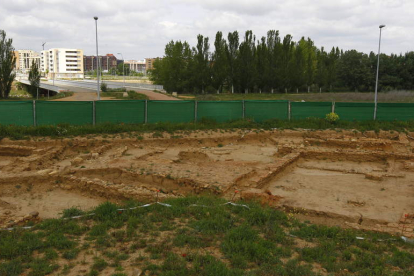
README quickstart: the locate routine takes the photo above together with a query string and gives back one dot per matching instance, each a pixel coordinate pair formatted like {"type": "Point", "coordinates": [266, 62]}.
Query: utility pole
{"type": "Point", "coordinates": [123, 66]}
{"type": "Point", "coordinates": [97, 60]}
{"type": "Point", "coordinates": [376, 82]}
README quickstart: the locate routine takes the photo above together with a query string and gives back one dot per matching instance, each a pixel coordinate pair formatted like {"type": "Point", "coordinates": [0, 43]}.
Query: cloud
{"type": "Point", "coordinates": [140, 28]}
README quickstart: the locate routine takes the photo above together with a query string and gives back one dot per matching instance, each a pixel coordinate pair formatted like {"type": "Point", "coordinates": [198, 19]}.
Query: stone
{"type": "Point", "coordinates": [53, 173]}
{"type": "Point", "coordinates": [44, 172]}
{"type": "Point", "coordinates": [375, 177]}
{"type": "Point", "coordinates": [95, 155]}
{"type": "Point", "coordinates": [76, 161]}
{"type": "Point", "coordinates": [34, 214]}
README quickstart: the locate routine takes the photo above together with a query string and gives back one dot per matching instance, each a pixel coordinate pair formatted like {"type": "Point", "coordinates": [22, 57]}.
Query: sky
{"type": "Point", "coordinates": [140, 29]}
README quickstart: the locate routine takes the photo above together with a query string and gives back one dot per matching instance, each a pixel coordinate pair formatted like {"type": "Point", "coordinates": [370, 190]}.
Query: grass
{"type": "Point", "coordinates": [66, 130]}
{"type": "Point", "coordinates": [387, 97]}
{"type": "Point", "coordinates": [215, 240]}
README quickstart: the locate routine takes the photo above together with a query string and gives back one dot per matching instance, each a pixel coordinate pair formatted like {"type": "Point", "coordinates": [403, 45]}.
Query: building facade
{"type": "Point", "coordinates": [62, 63]}
{"type": "Point", "coordinates": [107, 63]}
{"type": "Point", "coordinates": [149, 63]}
{"type": "Point", "coordinates": [138, 66]}
{"type": "Point", "coordinates": [24, 60]}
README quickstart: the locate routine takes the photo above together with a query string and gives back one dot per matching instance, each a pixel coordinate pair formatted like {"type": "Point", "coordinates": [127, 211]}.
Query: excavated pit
{"type": "Point", "coordinates": [346, 175]}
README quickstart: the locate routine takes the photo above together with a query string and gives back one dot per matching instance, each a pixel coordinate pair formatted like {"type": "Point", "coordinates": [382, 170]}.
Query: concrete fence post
{"type": "Point", "coordinates": [195, 111]}
{"type": "Point", "coordinates": [244, 109]}
{"type": "Point", "coordinates": [146, 112]}
{"type": "Point", "coordinates": [34, 113]}
{"type": "Point", "coordinates": [289, 110]}
{"type": "Point", "coordinates": [333, 107]}
{"type": "Point", "coordinates": [94, 113]}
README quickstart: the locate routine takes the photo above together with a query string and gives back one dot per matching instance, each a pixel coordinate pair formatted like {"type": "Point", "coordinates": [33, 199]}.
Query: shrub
{"type": "Point", "coordinates": [104, 87]}
{"type": "Point", "coordinates": [332, 117]}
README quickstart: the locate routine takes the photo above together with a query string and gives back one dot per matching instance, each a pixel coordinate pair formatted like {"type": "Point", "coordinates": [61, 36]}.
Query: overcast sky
{"type": "Point", "coordinates": [140, 29]}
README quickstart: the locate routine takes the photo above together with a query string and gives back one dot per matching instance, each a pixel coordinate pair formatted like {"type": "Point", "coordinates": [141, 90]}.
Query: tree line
{"type": "Point", "coordinates": [274, 64]}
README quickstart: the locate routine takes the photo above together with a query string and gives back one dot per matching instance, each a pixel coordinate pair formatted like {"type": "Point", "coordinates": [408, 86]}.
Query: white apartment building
{"type": "Point", "coordinates": [24, 59]}
{"type": "Point", "coordinates": [62, 63]}
{"type": "Point", "coordinates": [137, 66]}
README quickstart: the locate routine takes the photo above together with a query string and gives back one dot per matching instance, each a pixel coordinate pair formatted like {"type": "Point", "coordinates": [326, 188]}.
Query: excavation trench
{"type": "Point", "coordinates": [342, 175]}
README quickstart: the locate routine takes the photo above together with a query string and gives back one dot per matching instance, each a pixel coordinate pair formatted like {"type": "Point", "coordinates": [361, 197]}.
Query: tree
{"type": "Point", "coordinates": [354, 70]}
{"type": "Point", "coordinates": [232, 51]}
{"type": "Point", "coordinates": [274, 46]}
{"type": "Point", "coordinates": [219, 65]}
{"type": "Point", "coordinates": [34, 78]}
{"type": "Point", "coordinates": [7, 64]}
{"type": "Point", "coordinates": [120, 69]}
{"type": "Point", "coordinates": [246, 62]}
{"type": "Point", "coordinates": [201, 63]}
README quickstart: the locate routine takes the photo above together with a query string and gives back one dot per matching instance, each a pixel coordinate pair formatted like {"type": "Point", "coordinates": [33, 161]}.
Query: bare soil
{"type": "Point", "coordinates": [333, 177]}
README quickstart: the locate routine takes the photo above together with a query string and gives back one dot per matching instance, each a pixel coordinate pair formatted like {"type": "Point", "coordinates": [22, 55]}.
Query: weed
{"type": "Point", "coordinates": [12, 268]}
{"type": "Point", "coordinates": [99, 264]}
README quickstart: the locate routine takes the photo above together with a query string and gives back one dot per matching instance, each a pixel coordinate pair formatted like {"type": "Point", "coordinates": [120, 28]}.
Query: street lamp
{"type": "Point", "coordinates": [123, 66]}
{"type": "Point", "coordinates": [98, 89]}
{"type": "Point", "coordinates": [376, 82]}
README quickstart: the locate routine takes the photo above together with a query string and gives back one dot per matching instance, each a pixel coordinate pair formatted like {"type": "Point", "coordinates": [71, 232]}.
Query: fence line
{"type": "Point", "coordinates": [36, 113]}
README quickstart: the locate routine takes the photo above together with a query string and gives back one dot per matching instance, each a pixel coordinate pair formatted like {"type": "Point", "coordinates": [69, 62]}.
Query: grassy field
{"type": "Point", "coordinates": [213, 239]}
{"type": "Point", "coordinates": [394, 97]}
{"type": "Point", "coordinates": [132, 130]}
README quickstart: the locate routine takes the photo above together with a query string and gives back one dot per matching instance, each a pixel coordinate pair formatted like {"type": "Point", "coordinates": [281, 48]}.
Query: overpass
{"type": "Point", "coordinates": [45, 86]}
{"type": "Point", "coordinates": [91, 85]}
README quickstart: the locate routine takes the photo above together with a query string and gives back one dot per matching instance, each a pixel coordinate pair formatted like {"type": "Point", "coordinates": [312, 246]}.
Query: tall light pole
{"type": "Point", "coordinates": [123, 66]}
{"type": "Point", "coordinates": [376, 82]}
{"type": "Point", "coordinates": [98, 89]}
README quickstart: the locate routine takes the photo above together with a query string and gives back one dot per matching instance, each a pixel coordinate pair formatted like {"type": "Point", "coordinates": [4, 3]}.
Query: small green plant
{"type": "Point", "coordinates": [332, 117]}
{"type": "Point", "coordinates": [104, 87]}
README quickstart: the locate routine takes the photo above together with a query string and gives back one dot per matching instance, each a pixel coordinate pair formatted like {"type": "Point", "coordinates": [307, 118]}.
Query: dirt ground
{"type": "Point", "coordinates": [345, 178]}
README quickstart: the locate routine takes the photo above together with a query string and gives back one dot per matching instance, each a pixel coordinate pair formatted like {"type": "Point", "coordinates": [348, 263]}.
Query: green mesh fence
{"type": "Point", "coordinates": [395, 111]}
{"type": "Point", "coordinates": [221, 111]}
{"type": "Point", "coordinates": [266, 110]}
{"type": "Point", "coordinates": [78, 113]}
{"type": "Point", "coordinates": [74, 113]}
{"type": "Point", "coordinates": [16, 113]}
{"type": "Point", "coordinates": [128, 112]}
{"type": "Point", "coordinates": [355, 111]}
{"type": "Point", "coordinates": [303, 110]}
{"type": "Point", "coordinates": [170, 111]}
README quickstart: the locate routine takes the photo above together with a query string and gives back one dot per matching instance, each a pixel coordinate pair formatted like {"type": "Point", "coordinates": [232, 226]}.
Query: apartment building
{"type": "Point", "coordinates": [149, 63]}
{"type": "Point", "coordinates": [107, 63]}
{"type": "Point", "coordinates": [62, 63]}
{"type": "Point", "coordinates": [24, 60]}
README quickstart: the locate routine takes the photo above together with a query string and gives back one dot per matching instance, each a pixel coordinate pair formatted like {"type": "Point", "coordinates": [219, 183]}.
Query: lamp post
{"type": "Point", "coordinates": [98, 89]}
{"type": "Point", "coordinates": [376, 82]}
{"type": "Point", "coordinates": [123, 66]}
